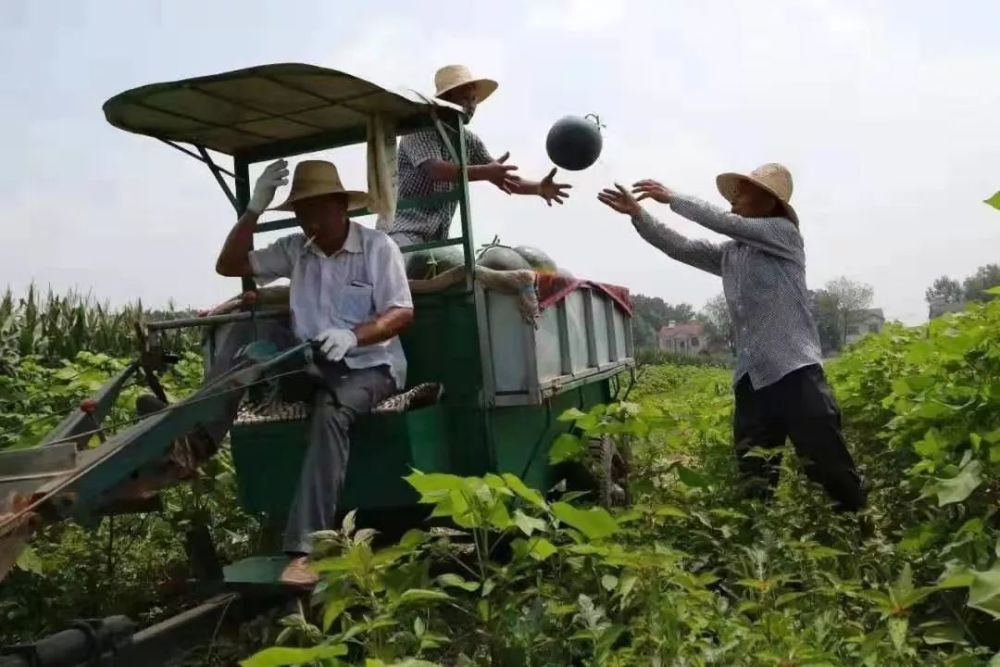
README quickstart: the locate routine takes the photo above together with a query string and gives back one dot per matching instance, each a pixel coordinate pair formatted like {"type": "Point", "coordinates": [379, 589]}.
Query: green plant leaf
{"type": "Point", "coordinates": [898, 626]}
{"type": "Point", "coordinates": [917, 538]}
{"type": "Point", "coordinates": [595, 523]}
{"type": "Point", "coordinates": [691, 478]}
{"type": "Point", "coordinates": [936, 633]}
{"type": "Point", "coordinates": [537, 548]}
{"type": "Point", "coordinates": [435, 482]}
{"type": "Point", "coordinates": [959, 579]}
{"type": "Point", "coordinates": [541, 549]}
{"type": "Point", "coordinates": [609, 582]}
{"type": "Point", "coordinates": [566, 447]}
{"type": "Point", "coordinates": [626, 585]}
{"type": "Point", "coordinates": [671, 510]}
{"type": "Point", "coordinates": [455, 581]}
{"type": "Point", "coordinates": [418, 595]}
{"type": "Point", "coordinates": [29, 561]}
{"type": "Point", "coordinates": [280, 656]}
{"type": "Point", "coordinates": [984, 592]}
{"type": "Point", "coordinates": [334, 608]}
{"type": "Point", "coordinates": [571, 415]}
{"type": "Point", "coordinates": [500, 516]}
{"type": "Point", "coordinates": [524, 492]}
{"type": "Point", "coordinates": [528, 524]}
{"type": "Point", "coordinates": [412, 539]}
{"type": "Point", "coordinates": [958, 488]}
{"type": "Point", "coordinates": [993, 201]}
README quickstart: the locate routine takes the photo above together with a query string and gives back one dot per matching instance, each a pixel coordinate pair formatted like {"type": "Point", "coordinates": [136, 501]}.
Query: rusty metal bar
{"type": "Point", "coordinates": [209, 320]}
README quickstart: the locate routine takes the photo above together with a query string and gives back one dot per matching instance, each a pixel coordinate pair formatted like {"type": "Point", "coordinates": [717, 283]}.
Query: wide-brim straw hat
{"type": "Point", "coordinates": [314, 178]}
{"type": "Point", "coordinates": [451, 77]}
{"type": "Point", "coordinates": [771, 177]}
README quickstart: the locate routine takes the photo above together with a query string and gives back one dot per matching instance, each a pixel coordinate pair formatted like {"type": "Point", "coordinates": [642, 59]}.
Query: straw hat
{"type": "Point", "coordinates": [451, 77]}
{"type": "Point", "coordinates": [313, 178]}
{"type": "Point", "coordinates": [771, 177]}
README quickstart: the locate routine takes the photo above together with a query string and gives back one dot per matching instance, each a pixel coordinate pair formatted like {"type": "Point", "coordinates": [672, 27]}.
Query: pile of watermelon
{"type": "Point", "coordinates": [426, 264]}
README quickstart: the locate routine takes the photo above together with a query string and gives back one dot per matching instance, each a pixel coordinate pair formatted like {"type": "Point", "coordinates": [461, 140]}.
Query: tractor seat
{"type": "Point", "coordinates": [420, 396]}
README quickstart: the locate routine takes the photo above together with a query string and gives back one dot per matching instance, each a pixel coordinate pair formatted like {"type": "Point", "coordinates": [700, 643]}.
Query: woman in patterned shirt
{"type": "Point", "coordinates": [781, 391]}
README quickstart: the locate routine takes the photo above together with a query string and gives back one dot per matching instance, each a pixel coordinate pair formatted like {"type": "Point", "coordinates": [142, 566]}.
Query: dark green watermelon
{"type": "Point", "coordinates": [425, 264]}
{"type": "Point", "coordinates": [502, 258]}
{"type": "Point", "coordinates": [538, 260]}
{"type": "Point", "coordinates": [574, 143]}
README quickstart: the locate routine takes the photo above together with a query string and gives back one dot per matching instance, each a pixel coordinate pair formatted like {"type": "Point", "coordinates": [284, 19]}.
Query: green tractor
{"type": "Point", "coordinates": [502, 374]}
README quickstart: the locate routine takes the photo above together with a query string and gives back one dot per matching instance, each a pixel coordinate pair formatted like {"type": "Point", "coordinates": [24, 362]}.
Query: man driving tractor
{"type": "Point", "coordinates": [781, 390]}
{"type": "Point", "coordinates": [425, 166]}
{"type": "Point", "coordinates": [349, 295]}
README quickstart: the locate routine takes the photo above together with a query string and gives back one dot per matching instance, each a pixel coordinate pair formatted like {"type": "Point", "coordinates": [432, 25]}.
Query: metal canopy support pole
{"type": "Point", "coordinates": [190, 152]}
{"type": "Point", "coordinates": [487, 394]}
{"type": "Point", "coordinates": [463, 206]}
{"type": "Point", "coordinates": [207, 159]}
{"type": "Point", "coordinates": [242, 169]}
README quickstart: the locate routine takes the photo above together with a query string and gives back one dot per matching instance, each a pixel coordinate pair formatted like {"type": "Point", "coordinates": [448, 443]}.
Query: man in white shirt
{"type": "Point", "coordinates": [349, 294]}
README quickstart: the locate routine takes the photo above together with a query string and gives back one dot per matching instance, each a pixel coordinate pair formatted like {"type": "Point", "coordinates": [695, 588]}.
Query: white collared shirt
{"type": "Point", "coordinates": [355, 285]}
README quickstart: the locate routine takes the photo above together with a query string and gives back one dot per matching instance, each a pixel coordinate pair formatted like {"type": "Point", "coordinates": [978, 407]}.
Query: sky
{"type": "Point", "coordinates": [886, 112]}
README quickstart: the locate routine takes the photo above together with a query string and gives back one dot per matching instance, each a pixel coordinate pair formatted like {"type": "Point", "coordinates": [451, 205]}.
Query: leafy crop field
{"type": "Point", "coordinates": [689, 575]}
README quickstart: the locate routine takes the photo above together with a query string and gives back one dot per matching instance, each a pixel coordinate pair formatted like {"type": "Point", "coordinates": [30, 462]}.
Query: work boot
{"type": "Point", "coordinates": [298, 574]}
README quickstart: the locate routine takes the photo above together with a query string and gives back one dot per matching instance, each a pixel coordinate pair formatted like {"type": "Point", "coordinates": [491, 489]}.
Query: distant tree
{"type": "Point", "coordinates": [642, 330]}
{"type": "Point", "coordinates": [828, 324]}
{"type": "Point", "coordinates": [718, 325]}
{"type": "Point", "coordinates": [944, 290]}
{"type": "Point", "coordinates": [985, 277]}
{"type": "Point", "coordinates": [835, 307]}
{"type": "Point", "coordinates": [651, 314]}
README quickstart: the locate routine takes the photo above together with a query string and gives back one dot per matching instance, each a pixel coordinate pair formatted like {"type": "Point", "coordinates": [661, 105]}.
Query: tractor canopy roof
{"type": "Point", "coordinates": [264, 112]}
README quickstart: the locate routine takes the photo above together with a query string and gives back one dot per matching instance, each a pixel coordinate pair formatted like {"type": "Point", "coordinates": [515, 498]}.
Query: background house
{"type": "Point", "coordinates": [939, 308]}
{"type": "Point", "coordinates": [685, 338]}
{"type": "Point", "coordinates": [860, 323]}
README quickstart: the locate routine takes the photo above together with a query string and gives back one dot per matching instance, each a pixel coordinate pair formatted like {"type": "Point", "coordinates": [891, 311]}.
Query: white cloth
{"type": "Point", "coordinates": [382, 170]}
{"type": "Point", "coordinates": [364, 279]}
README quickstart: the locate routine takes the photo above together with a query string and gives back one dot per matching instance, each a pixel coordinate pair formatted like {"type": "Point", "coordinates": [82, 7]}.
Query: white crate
{"type": "Point", "coordinates": [586, 336]}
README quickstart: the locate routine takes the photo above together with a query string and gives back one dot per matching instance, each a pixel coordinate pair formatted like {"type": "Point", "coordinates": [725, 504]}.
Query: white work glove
{"type": "Point", "coordinates": [336, 343]}
{"type": "Point", "coordinates": [275, 174]}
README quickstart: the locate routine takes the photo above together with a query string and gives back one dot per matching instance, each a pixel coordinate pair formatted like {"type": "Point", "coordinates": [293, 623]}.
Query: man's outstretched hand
{"type": "Point", "coordinates": [501, 174]}
{"type": "Point", "coordinates": [619, 199]}
{"type": "Point", "coordinates": [551, 191]}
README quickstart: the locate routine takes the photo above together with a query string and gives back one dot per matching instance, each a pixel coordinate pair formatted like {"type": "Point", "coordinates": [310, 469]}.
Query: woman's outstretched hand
{"type": "Point", "coordinates": [619, 199]}
{"type": "Point", "coordinates": [650, 189]}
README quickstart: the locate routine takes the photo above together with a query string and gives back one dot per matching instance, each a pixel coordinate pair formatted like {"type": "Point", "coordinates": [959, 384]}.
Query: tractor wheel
{"type": "Point", "coordinates": [610, 471]}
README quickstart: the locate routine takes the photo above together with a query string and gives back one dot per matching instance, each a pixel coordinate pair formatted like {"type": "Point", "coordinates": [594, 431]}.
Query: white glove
{"type": "Point", "coordinates": [336, 343]}
{"type": "Point", "coordinates": [275, 174]}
